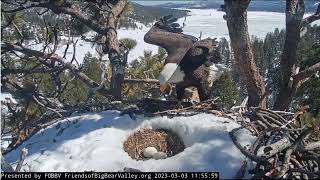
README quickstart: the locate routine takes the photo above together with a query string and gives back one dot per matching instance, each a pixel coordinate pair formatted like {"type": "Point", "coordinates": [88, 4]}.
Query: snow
{"type": "Point", "coordinates": [5, 141]}
{"type": "Point", "coordinates": [7, 97]}
{"type": "Point", "coordinates": [211, 23]}
{"type": "Point", "coordinates": [83, 47]}
{"type": "Point", "coordinates": [208, 21]}
{"type": "Point", "coordinates": [95, 142]}
{"type": "Point", "coordinates": [138, 35]}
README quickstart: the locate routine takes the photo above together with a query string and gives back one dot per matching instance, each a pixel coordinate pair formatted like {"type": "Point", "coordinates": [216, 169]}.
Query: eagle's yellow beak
{"type": "Point", "coordinates": [164, 88]}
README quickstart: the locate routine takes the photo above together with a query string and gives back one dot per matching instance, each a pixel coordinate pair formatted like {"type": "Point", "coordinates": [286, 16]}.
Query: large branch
{"type": "Point", "coordinates": [44, 57]}
{"type": "Point", "coordinates": [243, 150]}
{"type": "Point", "coordinates": [294, 17]}
{"type": "Point", "coordinates": [20, 8]}
{"type": "Point", "coordinates": [307, 73]}
{"type": "Point", "coordinates": [145, 81]}
{"type": "Point", "coordinates": [236, 16]}
{"type": "Point", "coordinates": [119, 8]}
{"type": "Point", "coordinates": [311, 18]}
{"type": "Point", "coordinates": [65, 8]}
{"type": "Point", "coordinates": [7, 71]}
{"type": "Point", "coordinates": [74, 12]}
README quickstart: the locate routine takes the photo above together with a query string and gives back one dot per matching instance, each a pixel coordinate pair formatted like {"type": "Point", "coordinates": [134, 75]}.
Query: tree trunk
{"type": "Point", "coordinates": [118, 61]}
{"type": "Point", "coordinates": [287, 89]}
{"type": "Point", "coordinates": [236, 16]}
{"type": "Point", "coordinates": [118, 70]}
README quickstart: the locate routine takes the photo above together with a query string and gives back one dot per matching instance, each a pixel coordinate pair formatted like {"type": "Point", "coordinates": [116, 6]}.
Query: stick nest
{"type": "Point", "coordinates": [162, 139]}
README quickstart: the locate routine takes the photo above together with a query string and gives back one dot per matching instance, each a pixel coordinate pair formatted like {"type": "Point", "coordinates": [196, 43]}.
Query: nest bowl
{"type": "Point", "coordinates": [163, 140]}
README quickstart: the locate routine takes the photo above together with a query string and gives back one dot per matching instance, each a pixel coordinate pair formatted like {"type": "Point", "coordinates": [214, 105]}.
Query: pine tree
{"type": "Point", "coordinates": [224, 50]}
{"type": "Point", "coordinates": [148, 66]}
{"type": "Point", "coordinates": [225, 88]}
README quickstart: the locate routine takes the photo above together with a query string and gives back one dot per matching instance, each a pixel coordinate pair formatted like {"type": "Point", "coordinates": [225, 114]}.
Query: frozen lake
{"type": "Point", "coordinates": [211, 23]}
{"type": "Point", "coordinates": [155, 3]}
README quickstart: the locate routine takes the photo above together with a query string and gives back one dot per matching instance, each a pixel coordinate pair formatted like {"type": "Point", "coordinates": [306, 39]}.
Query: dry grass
{"type": "Point", "coordinates": [163, 140]}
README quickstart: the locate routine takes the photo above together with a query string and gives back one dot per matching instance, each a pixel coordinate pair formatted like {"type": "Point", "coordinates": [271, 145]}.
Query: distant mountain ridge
{"type": "Point", "coordinates": [149, 14]}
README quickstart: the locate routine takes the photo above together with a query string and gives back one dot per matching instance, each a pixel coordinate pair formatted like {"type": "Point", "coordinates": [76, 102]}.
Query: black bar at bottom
{"type": "Point", "coordinates": [110, 175]}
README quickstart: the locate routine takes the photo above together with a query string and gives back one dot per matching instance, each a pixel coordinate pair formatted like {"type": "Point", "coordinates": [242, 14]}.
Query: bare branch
{"type": "Point", "coordinates": [20, 8]}
{"type": "Point", "coordinates": [23, 155]}
{"type": "Point", "coordinates": [147, 81]}
{"type": "Point", "coordinates": [272, 149]}
{"type": "Point", "coordinates": [285, 166]}
{"type": "Point", "coordinates": [43, 57]}
{"type": "Point", "coordinates": [5, 166]}
{"type": "Point", "coordinates": [307, 72]}
{"type": "Point", "coordinates": [42, 105]}
{"type": "Point", "coordinates": [310, 146]}
{"type": "Point", "coordinates": [74, 52]}
{"type": "Point", "coordinates": [311, 18]}
{"type": "Point", "coordinates": [243, 150]}
{"type": "Point", "coordinates": [7, 71]}
{"type": "Point", "coordinates": [81, 17]}
{"type": "Point", "coordinates": [9, 20]}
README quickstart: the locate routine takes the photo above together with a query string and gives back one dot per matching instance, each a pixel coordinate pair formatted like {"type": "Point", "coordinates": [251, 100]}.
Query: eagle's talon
{"type": "Point", "coordinates": [188, 59]}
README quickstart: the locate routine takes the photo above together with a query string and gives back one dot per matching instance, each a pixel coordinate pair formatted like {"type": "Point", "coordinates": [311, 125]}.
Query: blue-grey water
{"type": "Point", "coordinates": [155, 3]}
{"type": "Point", "coordinates": [255, 5]}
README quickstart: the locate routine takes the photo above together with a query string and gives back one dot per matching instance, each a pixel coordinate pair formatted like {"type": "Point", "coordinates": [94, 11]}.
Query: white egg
{"type": "Point", "coordinates": [160, 155]}
{"type": "Point", "coordinates": [149, 152]}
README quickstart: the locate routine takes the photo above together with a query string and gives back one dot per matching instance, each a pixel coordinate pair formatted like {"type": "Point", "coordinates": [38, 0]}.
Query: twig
{"type": "Point", "coordinates": [285, 166]}
{"type": "Point", "coordinates": [241, 172]}
{"type": "Point", "coordinates": [23, 155]}
{"type": "Point", "coordinates": [300, 170]}
{"type": "Point", "coordinates": [5, 166]}
{"type": "Point", "coordinates": [173, 110]}
{"type": "Point", "coordinates": [243, 150]}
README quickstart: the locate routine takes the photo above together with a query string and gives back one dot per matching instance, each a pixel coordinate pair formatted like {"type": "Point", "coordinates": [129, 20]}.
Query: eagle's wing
{"type": "Point", "coordinates": [203, 47]}
{"type": "Point", "coordinates": [168, 35]}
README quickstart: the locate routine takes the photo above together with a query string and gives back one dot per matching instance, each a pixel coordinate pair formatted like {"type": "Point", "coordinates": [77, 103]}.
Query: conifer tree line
{"type": "Point", "coordinates": [290, 76]}
{"type": "Point", "coordinates": [49, 86]}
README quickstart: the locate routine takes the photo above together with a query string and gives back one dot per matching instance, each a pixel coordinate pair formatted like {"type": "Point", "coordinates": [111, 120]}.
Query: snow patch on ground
{"type": "Point", "coordinates": [7, 97]}
{"type": "Point", "coordinates": [95, 142]}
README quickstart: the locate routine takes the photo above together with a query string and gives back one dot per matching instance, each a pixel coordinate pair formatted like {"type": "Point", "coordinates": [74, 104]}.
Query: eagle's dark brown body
{"type": "Point", "coordinates": [192, 57]}
{"type": "Point", "coordinates": [198, 79]}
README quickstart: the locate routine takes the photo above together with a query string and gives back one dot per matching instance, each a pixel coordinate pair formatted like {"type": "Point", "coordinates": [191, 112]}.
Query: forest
{"type": "Point", "coordinates": [268, 86]}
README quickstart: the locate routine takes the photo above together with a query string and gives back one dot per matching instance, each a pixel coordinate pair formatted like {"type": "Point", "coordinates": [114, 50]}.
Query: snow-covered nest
{"type": "Point", "coordinates": [95, 142]}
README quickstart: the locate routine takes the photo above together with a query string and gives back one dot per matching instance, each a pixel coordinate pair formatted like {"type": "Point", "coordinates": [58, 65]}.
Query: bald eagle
{"type": "Point", "coordinates": [190, 62]}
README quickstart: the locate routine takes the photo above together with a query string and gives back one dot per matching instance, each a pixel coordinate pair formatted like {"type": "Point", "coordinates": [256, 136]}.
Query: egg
{"type": "Point", "coordinates": [149, 152]}
{"type": "Point", "coordinates": [160, 155]}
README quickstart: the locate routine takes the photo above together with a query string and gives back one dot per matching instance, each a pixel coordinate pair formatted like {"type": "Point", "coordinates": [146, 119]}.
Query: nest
{"type": "Point", "coordinates": [162, 139]}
